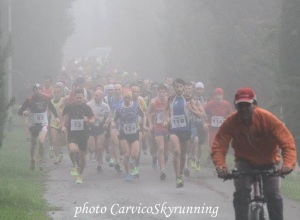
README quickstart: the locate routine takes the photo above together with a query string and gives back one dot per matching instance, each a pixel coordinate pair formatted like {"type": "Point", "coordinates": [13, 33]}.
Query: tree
{"type": "Point", "coordinates": [5, 105]}
{"type": "Point", "coordinates": [39, 32]}
{"type": "Point", "coordinates": [288, 78]}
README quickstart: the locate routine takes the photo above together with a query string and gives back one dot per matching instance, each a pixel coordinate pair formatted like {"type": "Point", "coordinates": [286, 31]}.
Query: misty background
{"type": "Point", "coordinates": [228, 43]}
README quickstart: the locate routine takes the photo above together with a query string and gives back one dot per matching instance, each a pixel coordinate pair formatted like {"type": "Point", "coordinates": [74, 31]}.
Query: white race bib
{"type": "Point", "coordinates": [130, 128]}
{"type": "Point", "coordinates": [77, 125]}
{"type": "Point", "coordinates": [178, 121]}
{"type": "Point", "coordinates": [159, 117]}
{"type": "Point", "coordinates": [217, 121]}
{"type": "Point", "coordinates": [40, 118]}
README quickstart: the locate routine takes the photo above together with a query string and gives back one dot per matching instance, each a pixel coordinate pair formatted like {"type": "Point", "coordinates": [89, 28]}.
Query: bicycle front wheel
{"type": "Point", "coordinates": [257, 212]}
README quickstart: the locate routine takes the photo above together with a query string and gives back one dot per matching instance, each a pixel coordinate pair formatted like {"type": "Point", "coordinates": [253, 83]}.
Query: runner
{"type": "Point", "coordinates": [96, 139]}
{"type": "Point", "coordinates": [143, 134]}
{"type": "Point", "coordinates": [157, 114]}
{"type": "Point", "coordinates": [35, 108]}
{"type": "Point", "coordinates": [216, 110]}
{"type": "Point", "coordinates": [58, 138]}
{"type": "Point", "coordinates": [201, 135]}
{"type": "Point", "coordinates": [129, 114]}
{"type": "Point", "coordinates": [114, 149]}
{"type": "Point", "coordinates": [78, 116]}
{"type": "Point", "coordinates": [180, 111]}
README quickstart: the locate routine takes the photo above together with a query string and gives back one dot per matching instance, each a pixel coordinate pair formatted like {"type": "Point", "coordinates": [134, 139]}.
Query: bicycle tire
{"type": "Point", "coordinates": [256, 212]}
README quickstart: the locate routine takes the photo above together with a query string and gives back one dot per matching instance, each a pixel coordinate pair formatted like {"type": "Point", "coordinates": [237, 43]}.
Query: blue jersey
{"type": "Point", "coordinates": [129, 118]}
{"type": "Point", "coordinates": [180, 116]}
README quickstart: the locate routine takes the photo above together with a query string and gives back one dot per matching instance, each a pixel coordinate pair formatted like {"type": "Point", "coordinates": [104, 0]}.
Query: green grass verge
{"type": "Point", "coordinates": [291, 187]}
{"type": "Point", "coordinates": [21, 190]}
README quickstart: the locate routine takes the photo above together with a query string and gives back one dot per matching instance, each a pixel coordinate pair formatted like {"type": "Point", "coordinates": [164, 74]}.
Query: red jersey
{"type": "Point", "coordinates": [158, 118]}
{"type": "Point", "coordinates": [217, 112]}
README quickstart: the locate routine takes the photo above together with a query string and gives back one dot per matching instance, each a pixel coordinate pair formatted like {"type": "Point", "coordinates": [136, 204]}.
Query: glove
{"type": "Point", "coordinates": [222, 172]}
{"type": "Point", "coordinates": [285, 170]}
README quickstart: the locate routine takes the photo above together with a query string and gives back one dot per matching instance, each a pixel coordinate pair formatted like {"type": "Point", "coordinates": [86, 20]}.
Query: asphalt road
{"type": "Point", "coordinates": [109, 196]}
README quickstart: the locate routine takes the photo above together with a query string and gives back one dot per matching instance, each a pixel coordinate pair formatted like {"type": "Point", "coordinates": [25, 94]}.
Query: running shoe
{"type": "Point", "coordinates": [163, 176]}
{"type": "Point", "coordinates": [136, 172]}
{"type": "Point", "coordinates": [179, 182]}
{"type": "Point", "coordinates": [74, 171]}
{"type": "Point", "coordinates": [193, 163]}
{"type": "Point", "coordinates": [111, 163]}
{"type": "Point", "coordinates": [154, 163]}
{"type": "Point", "coordinates": [40, 166]}
{"type": "Point", "coordinates": [78, 179]}
{"type": "Point", "coordinates": [118, 168]}
{"type": "Point", "coordinates": [128, 178]}
{"type": "Point", "coordinates": [186, 172]}
{"type": "Point", "coordinates": [99, 169]}
{"type": "Point", "coordinates": [51, 152]}
{"type": "Point", "coordinates": [197, 167]}
{"type": "Point", "coordinates": [58, 159]}
{"type": "Point", "coordinates": [107, 158]}
{"type": "Point", "coordinates": [132, 164]}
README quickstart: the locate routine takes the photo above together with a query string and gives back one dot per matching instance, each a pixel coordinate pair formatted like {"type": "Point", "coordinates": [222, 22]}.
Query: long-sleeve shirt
{"type": "Point", "coordinates": [259, 144]}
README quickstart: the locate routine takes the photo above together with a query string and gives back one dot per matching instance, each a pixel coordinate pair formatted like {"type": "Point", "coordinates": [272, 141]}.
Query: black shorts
{"type": "Point", "coordinates": [130, 138]}
{"type": "Point", "coordinates": [78, 137]}
{"type": "Point", "coordinates": [182, 135]}
{"type": "Point", "coordinates": [96, 130]}
{"type": "Point", "coordinates": [35, 130]}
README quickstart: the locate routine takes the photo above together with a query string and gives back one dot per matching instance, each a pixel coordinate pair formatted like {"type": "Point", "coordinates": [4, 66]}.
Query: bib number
{"type": "Point", "coordinates": [39, 118]}
{"type": "Point", "coordinates": [160, 118]}
{"type": "Point", "coordinates": [217, 121]}
{"type": "Point", "coordinates": [130, 128]}
{"type": "Point", "coordinates": [178, 121]}
{"type": "Point", "coordinates": [77, 125]}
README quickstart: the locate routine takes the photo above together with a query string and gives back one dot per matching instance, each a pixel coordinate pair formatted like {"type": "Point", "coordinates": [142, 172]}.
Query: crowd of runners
{"type": "Point", "coordinates": [116, 122]}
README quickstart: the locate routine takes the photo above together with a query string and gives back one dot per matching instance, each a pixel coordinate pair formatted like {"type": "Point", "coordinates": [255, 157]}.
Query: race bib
{"type": "Point", "coordinates": [130, 128]}
{"type": "Point", "coordinates": [40, 118]}
{"type": "Point", "coordinates": [178, 121]}
{"type": "Point", "coordinates": [217, 121]}
{"type": "Point", "coordinates": [160, 118]}
{"type": "Point", "coordinates": [77, 125]}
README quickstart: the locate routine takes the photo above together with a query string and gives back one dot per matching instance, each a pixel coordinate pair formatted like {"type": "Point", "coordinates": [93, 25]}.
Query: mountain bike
{"type": "Point", "coordinates": [257, 204]}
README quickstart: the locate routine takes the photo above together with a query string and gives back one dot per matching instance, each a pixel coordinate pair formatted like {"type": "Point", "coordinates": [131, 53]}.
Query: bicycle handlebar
{"type": "Point", "coordinates": [253, 173]}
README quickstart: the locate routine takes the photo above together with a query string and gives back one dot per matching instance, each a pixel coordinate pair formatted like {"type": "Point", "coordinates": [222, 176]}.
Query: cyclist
{"type": "Point", "coordinates": [257, 137]}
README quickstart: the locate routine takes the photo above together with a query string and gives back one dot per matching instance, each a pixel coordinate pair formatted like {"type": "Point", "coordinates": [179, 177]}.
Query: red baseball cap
{"type": "Point", "coordinates": [244, 94]}
{"type": "Point", "coordinates": [218, 91]}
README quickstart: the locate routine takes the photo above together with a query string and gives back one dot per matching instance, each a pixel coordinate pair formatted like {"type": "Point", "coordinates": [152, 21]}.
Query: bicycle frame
{"type": "Point", "coordinates": [257, 205]}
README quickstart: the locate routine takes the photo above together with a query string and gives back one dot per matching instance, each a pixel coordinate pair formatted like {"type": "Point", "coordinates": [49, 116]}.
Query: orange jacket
{"type": "Point", "coordinates": [260, 143]}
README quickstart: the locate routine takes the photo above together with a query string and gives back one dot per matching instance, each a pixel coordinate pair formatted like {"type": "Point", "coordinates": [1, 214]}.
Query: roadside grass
{"type": "Point", "coordinates": [21, 190]}
{"type": "Point", "coordinates": [290, 185]}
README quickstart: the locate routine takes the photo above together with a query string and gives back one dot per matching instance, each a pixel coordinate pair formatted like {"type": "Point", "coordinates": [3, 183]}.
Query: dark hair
{"type": "Point", "coordinates": [189, 84]}
{"type": "Point", "coordinates": [46, 77]}
{"type": "Point", "coordinates": [178, 81]}
{"type": "Point", "coordinates": [79, 91]}
{"type": "Point", "coordinates": [162, 86]}
{"type": "Point", "coordinates": [97, 86]}
{"type": "Point", "coordinates": [80, 80]}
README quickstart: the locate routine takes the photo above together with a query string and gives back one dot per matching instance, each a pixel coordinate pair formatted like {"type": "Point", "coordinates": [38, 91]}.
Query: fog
{"type": "Point", "coordinates": [225, 44]}
{"type": "Point", "coordinates": [137, 32]}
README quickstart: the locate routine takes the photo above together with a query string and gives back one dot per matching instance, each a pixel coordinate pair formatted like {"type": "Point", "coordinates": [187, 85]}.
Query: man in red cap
{"type": "Point", "coordinates": [257, 137]}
